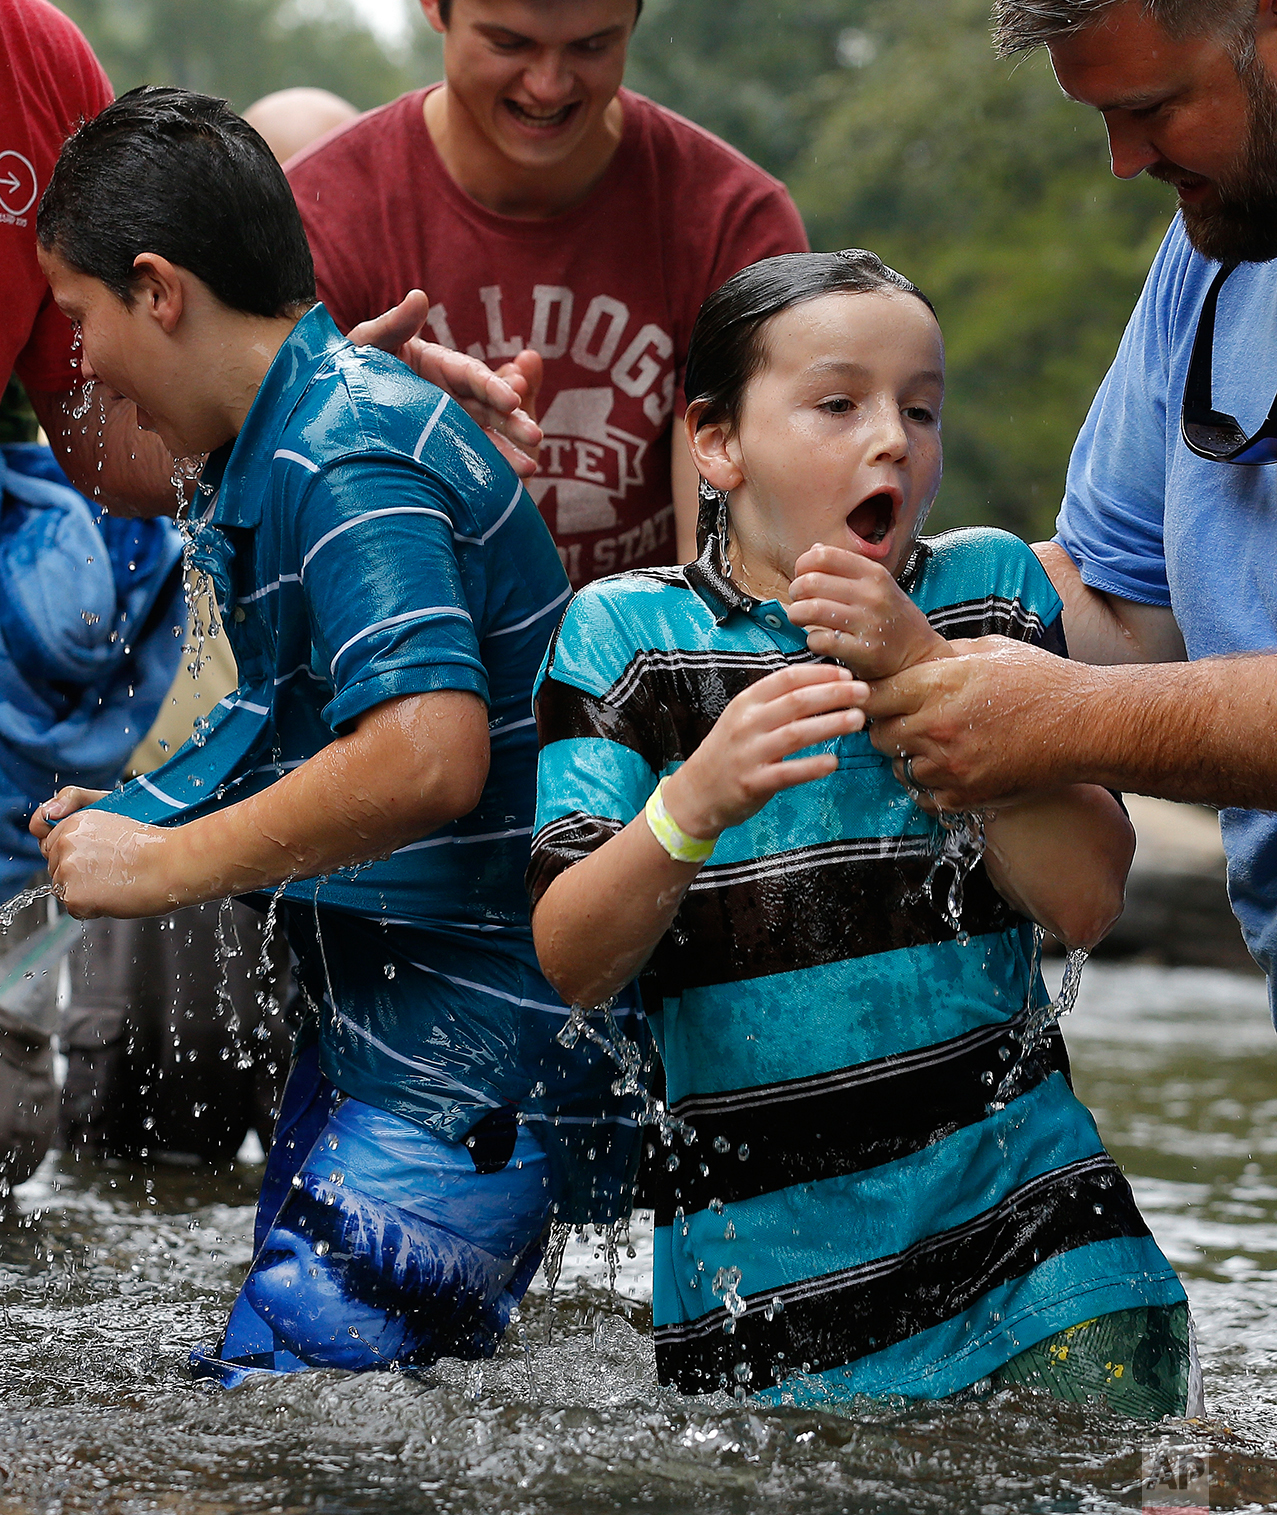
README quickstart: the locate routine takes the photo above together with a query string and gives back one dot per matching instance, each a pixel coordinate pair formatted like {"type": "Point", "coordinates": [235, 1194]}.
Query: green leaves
{"type": "Point", "coordinates": [242, 49]}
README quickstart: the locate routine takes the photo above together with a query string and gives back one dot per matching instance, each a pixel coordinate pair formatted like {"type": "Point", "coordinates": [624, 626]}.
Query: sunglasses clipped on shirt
{"type": "Point", "coordinates": [1208, 432]}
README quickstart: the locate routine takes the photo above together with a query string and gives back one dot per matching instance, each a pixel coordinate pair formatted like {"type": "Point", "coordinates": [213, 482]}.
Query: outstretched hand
{"type": "Point", "coordinates": [102, 864]}
{"type": "Point", "coordinates": [857, 614]}
{"type": "Point", "coordinates": [503, 403]}
{"type": "Point", "coordinates": [985, 726]}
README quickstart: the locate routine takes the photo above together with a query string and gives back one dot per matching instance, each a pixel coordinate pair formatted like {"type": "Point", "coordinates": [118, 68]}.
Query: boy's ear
{"type": "Point", "coordinates": [159, 290]}
{"type": "Point", "coordinates": [711, 450]}
{"type": "Point", "coordinates": [434, 15]}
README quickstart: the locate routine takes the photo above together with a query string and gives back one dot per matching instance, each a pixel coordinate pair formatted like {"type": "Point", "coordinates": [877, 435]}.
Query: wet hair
{"type": "Point", "coordinates": [178, 174]}
{"type": "Point", "coordinates": [445, 11]}
{"type": "Point", "coordinates": [727, 346]}
{"type": "Point", "coordinates": [1021, 25]}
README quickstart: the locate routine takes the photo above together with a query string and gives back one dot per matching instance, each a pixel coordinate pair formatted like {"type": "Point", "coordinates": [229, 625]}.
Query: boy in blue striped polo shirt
{"type": "Point", "coordinates": [880, 1181]}
{"type": "Point", "coordinates": [389, 589]}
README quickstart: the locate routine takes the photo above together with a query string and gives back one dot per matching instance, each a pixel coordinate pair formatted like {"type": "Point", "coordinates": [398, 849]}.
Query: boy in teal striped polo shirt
{"type": "Point", "coordinates": [880, 1181]}
{"type": "Point", "coordinates": [389, 589]}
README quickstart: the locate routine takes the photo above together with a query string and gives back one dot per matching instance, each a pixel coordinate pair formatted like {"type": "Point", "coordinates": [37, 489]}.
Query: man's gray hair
{"type": "Point", "coordinates": [1021, 25]}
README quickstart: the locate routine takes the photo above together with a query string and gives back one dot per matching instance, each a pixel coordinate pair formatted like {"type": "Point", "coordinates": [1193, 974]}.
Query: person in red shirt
{"type": "Point", "coordinates": [49, 81]}
{"type": "Point", "coordinates": [562, 225]}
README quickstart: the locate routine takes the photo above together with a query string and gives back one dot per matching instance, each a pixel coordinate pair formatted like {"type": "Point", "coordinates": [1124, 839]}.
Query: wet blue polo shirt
{"type": "Point", "coordinates": [366, 541]}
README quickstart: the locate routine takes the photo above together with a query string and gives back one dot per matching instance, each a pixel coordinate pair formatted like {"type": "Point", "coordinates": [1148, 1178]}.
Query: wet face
{"type": "Point", "coordinates": [125, 350]}
{"type": "Point", "coordinates": [1181, 110]}
{"type": "Point", "coordinates": [535, 76]}
{"type": "Point", "coordinates": [839, 434]}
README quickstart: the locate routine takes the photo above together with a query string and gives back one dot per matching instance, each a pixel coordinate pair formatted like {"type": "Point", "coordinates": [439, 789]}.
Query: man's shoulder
{"type": "Point", "coordinates": [362, 404]}
{"type": "Point", "coordinates": [363, 401]}
{"type": "Point", "coordinates": [365, 140]}
{"type": "Point", "coordinates": [681, 146]}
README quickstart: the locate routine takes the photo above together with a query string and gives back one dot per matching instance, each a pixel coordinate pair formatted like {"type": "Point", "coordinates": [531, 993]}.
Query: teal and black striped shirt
{"type": "Point", "coordinates": [887, 1190]}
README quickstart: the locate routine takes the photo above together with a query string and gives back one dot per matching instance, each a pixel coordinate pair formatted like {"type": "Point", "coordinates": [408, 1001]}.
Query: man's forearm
{"type": "Point", "coordinates": [106, 454]}
{"type": "Point", "coordinates": [1202, 731]}
{"type": "Point", "coordinates": [410, 766]}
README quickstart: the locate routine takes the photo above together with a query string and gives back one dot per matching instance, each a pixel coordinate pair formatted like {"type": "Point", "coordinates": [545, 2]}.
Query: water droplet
{"type": "Point", "coordinates": [743, 1151]}
{"type": "Point", "coordinates": [721, 1144]}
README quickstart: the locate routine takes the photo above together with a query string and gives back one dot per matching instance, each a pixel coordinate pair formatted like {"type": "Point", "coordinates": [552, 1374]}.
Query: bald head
{"type": "Point", "coordinates": [291, 119]}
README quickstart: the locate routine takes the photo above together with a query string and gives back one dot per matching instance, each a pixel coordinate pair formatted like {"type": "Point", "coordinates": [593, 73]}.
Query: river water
{"type": "Point", "coordinates": [107, 1275]}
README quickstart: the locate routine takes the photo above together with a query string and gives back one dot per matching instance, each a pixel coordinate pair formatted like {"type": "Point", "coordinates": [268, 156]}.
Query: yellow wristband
{"type": "Point", "coordinates": [680, 846]}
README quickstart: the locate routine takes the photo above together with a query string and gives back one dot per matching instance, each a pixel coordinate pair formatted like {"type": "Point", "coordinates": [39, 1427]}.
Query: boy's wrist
{"type": "Point", "coordinates": [934, 648]}
{"type": "Point", "coordinates": [686, 808]}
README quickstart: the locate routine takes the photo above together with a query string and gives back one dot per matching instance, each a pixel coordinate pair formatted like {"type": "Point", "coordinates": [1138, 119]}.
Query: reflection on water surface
{"type": "Point", "coordinates": [108, 1276]}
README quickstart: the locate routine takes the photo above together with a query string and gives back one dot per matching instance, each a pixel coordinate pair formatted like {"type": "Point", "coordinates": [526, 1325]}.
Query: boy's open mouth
{"type": "Point", "coordinates": [873, 518]}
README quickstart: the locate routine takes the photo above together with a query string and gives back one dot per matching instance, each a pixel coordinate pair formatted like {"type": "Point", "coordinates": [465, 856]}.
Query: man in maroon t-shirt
{"type": "Point", "coordinates": [545, 208]}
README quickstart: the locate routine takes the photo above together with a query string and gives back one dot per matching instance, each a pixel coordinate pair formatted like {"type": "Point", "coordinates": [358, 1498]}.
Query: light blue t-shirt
{"type": "Point", "coordinates": [1148, 520]}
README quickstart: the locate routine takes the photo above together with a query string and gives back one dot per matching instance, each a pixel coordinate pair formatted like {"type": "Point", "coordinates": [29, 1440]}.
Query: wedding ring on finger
{"type": "Point", "coordinates": [911, 783]}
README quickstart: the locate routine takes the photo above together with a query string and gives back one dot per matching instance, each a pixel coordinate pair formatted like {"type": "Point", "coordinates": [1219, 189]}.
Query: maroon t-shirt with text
{"type": "Point", "coordinates": [607, 293]}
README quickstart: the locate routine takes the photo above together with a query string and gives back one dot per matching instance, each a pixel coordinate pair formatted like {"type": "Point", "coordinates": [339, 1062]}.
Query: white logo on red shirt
{"type": "Point", "coordinates": [586, 461]}
{"type": "Point", "coordinates": [18, 184]}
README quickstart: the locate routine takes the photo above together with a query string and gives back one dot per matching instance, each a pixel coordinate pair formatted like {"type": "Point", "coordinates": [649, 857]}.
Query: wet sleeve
{"type": "Point", "coordinates": [1110, 522]}
{"type": "Point", "coordinates": [600, 752]}
{"type": "Point", "coordinates": [388, 610]}
{"type": "Point", "coordinates": [985, 582]}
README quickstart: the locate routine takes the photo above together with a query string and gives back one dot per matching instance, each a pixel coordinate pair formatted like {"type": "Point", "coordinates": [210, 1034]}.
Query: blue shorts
{"type": "Point", "coordinates": [378, 1244]}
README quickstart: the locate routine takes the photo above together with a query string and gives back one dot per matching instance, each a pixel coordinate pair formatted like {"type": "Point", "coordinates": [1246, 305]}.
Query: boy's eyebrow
{"type": "Point", "coordinates": [843, 369]}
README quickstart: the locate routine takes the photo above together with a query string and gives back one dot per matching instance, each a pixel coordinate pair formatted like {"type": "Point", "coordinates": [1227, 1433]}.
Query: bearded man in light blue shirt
{"type": "Point", "coordinates": [1167, 539]}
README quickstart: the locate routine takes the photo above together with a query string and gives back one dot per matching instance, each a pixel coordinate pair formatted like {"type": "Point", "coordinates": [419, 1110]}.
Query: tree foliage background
{"type": "Point", "coordinates": [895, 128]}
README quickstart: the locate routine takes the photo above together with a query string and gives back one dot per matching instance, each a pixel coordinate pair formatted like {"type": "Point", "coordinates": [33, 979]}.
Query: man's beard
{"type": "Point", "coordinates": [1241, 227]}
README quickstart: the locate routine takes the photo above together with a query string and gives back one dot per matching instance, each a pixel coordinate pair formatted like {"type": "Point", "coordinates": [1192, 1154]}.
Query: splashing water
{"type": "Point", "coordinates": [197, 586]}
{"type": "Point", "coordinates": [1039, 1019]}
{"type": "Point", "coordinates": [960, 845]}
{"type": "Point", "coordinates": [610, 1039]}
{"type": "Point", "coordinates": [726, 1285]}
{"type": "Point", "coordinates": [13, 907]}
{"type": "Point", "coordinates": [229, 946]}
{"type": "Point", "coordinates": [98, 1411]}
{"type": "Point", "coordinates": [635, 1074]}
{"type": "Point", "coordinates": [85, 403]}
